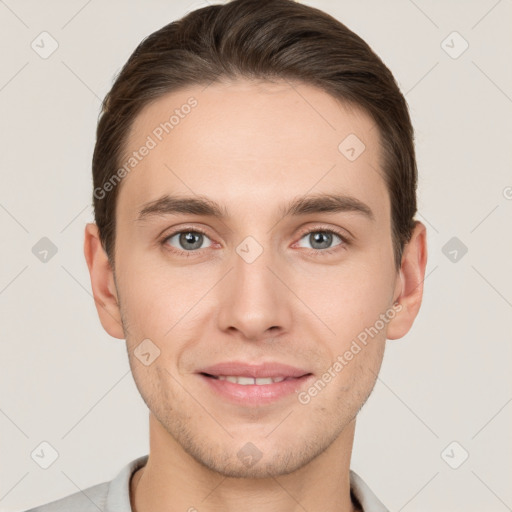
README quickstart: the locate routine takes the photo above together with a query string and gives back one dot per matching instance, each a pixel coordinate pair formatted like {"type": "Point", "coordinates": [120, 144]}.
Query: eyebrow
{"type": "Point", "coordinates": [199, 205]}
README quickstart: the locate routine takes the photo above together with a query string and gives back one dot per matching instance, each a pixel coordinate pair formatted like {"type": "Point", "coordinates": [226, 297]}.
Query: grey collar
{"type": "Point", "coordinates": [118, 497]}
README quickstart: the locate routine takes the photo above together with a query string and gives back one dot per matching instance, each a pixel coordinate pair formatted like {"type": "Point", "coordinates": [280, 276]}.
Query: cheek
{"type": "Point", "coordinates": [355, 299]}
{"type": "Point", "coordinates": [150, 296]}
{"type": "Point", "coordinates": [155, 384]}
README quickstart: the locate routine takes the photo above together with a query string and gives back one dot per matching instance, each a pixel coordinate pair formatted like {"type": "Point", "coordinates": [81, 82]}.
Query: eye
{"type": "Point", "coordinates": [187, 240]}
{"type": "Point", "coordinates": [322, 239]}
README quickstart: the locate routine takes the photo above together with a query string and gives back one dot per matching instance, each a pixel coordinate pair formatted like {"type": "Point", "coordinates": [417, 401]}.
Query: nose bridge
{"type": "Point", "coordinates": [253, 299]}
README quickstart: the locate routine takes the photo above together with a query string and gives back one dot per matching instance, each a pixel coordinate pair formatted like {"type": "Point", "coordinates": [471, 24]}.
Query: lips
{"type": "Point", "coordinates": [244, 371]}
{"type": "Point", "coordinates": [253, 385]}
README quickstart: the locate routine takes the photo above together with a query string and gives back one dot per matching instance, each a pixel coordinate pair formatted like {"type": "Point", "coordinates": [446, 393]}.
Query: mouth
{"type": "Point", "coordinates": [254, 385]}
{"type": "Point", "coordinates": [249, 381]}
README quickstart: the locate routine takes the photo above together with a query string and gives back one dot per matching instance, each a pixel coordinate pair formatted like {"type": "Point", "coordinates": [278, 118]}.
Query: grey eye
{"type": "Point", "coordinates": [188, 240]}
{"type": "Point", "coordinates": [320, 239]}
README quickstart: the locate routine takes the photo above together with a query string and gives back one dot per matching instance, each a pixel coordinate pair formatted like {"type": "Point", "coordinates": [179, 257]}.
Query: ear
{"type": "Point", "coordinates": [410, 282]}
{"type": "Point", "coordinates": [102, 282]}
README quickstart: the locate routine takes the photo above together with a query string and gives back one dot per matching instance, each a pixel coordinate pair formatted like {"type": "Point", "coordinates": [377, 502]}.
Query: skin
{"type": "Point", "coordinates": [253, 147]}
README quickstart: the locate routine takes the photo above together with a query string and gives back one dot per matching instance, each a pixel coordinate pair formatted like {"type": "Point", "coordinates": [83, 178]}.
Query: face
{"type": "Point", "coordinates": [261, 285]}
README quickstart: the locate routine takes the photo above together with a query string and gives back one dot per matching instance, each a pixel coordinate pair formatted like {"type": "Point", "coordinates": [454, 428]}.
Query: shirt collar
{"type": "Point", "coordinates": [118, 498]}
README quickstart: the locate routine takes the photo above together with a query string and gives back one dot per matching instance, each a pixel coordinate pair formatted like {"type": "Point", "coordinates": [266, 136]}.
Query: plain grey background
{"type": "Point", "coordinates": [65, 382]}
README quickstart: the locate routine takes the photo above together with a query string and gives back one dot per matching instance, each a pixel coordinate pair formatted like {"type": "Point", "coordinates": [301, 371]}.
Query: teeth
{"type": "Point", "coordinates": [246, 381]}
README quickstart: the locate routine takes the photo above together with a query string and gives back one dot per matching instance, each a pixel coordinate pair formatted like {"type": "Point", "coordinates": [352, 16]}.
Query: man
{"type": "Point", "coordinates": [272, 140]}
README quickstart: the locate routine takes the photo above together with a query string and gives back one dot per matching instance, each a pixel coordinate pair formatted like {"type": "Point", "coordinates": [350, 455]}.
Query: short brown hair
{"type": "Point", "coordinates": [259, 39]}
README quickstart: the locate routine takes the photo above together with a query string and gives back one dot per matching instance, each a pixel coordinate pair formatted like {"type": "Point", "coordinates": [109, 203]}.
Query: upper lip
{"type": "Point", "coordinates": [238, 369]}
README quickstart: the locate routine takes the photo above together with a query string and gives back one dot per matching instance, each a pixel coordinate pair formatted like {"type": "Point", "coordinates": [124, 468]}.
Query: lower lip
{"type": "Point", "coordinates": [255, 394]}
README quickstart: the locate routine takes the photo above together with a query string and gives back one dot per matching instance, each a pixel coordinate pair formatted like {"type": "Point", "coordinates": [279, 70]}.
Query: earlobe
{"type": "Point", "coordinates": [410, 282]}
{"type": "Point", "coordinates": [102, 283]}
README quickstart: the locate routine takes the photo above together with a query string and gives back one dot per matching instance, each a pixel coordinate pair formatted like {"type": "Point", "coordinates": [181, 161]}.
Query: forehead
{"type": "Point", "coordinates": [269, 141]}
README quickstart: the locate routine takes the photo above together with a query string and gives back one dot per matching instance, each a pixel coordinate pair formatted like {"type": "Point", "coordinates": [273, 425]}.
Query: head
{"type": "Point", "coordinates": [254, 195]}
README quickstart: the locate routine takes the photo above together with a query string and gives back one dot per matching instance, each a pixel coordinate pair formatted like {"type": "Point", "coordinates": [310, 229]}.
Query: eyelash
{"type": "Point", "coordinates": [316, 252]}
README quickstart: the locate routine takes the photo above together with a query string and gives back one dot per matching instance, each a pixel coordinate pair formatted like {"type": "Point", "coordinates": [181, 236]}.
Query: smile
{"type": "Point", "coordinates": [248, 381]}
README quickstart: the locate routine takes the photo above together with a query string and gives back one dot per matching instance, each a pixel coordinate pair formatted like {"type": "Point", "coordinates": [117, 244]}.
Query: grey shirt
{"type": "Point", "coordinates": [114, 496]}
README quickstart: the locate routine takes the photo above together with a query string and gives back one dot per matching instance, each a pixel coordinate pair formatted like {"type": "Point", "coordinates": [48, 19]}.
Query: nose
{"type": "Point", "coordinates": [254, 304]}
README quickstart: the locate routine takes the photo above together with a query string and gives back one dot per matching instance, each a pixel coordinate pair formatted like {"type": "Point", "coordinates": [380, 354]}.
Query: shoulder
{"type": "Point", "coordinates": [104, 497]}
{"type": "Point", "coordinates": [88, 500]}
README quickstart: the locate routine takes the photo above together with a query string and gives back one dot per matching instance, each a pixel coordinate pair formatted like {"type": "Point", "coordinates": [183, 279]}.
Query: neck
{"type": "Point", "coordinates": [173, 480]}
